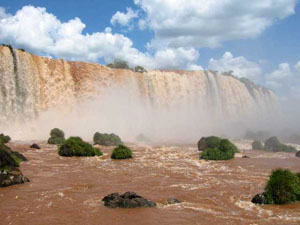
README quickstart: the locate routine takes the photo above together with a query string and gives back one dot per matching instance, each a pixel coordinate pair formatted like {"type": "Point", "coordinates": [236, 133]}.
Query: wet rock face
{"type": "Point", "coordinates": [260, 199]}
{"type": "Point", "coordinates": [12, 177]}
{"type": "Point", "coordinates": [36, 146]}
{"type": "Point", "coordinates": [171, 201]}
{"type": "Point", "coordinates": [127, 200]}
{"type": "Point", "coordinates": [202, 144]}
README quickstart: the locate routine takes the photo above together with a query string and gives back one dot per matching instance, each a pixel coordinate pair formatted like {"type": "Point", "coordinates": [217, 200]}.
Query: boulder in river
{"type": "Point", "coordinates": [171, 201]}
{"type": "Point", "coordinates": [36, 146]}
{"type": "Point", "coordinates": [260, 199]}
{"type": "Point", "coordinates": [11, 177]}
{"type": "Point", "coordinates": [127, 200]}
{"type": "Point", "coordinates": [9, 163]}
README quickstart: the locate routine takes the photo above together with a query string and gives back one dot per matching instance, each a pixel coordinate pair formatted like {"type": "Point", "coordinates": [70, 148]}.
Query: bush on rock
{"type": "Point", "coordinates": [107, 139]}
{"type": "Point", "coordinates": [121, 152]}
{"type": "Point", "coordinates": [57, 137]}
{"type": "Point", "coordinates": [75, 146]}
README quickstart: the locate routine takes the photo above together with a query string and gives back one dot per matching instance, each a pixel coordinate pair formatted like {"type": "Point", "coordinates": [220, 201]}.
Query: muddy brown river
{"type": "Point", "coordinates": [69, 190]}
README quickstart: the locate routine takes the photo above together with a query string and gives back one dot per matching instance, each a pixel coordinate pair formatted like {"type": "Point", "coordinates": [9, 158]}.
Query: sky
{"type": "Point", "coordinates": [258, 40]}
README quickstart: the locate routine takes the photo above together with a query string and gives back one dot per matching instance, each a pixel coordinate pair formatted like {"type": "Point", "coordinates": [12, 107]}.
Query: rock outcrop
{"type": "Point", "coordinates": [9, 163]}
{"type": "Point", "coordinates": [127, 200]}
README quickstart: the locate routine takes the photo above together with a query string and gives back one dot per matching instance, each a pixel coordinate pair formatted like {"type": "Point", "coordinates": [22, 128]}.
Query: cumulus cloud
{"type": "Point", "coordinates": [285, 80]}
{"type": "Point", "coordinates": [42, 33]}
{"type": "Point", "coordinates": [240, 66]}
{"type": "Point", "coordinates": [202, 23]}
{"type": "Point", "coordinates": [3, 13]}
{"type": "Point", "coordinates": [124, 19]}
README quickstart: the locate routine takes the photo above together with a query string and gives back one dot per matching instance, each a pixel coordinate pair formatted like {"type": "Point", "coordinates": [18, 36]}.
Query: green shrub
{"type": "Point", "coordinates": [212, 142]}
{"type": "Point", "coordinates": [121, 152]}
{"type": "Point", "coordinates": [298, 154]}
{"type": "Point", "coordinates": [75, 146]}
{"type": "Point", "coordinates": [119, 64]}
{"type": "Point", "coordinates": [257, 145]}
{"type": "Point", "coordinates": [273, 144]}
{"type": "Point", "coordinates": [107, 139]}
{"type": "Point", "coordinates": [55, 140]}
{"type": "Point", "coordinates": [282, 187]}
{"type": "Point", "coordinates": [8, 158]}
{"type": "Point", "coordinates": [4, 138]}
{"type": "Point", "coordinates": [57, 133]}
{"type": "Point", "coordinates": [57, 137]}
{"type": "Point", "coordinates": [139, 69]}
{"type": "Point", "coordinates": [225, 150]}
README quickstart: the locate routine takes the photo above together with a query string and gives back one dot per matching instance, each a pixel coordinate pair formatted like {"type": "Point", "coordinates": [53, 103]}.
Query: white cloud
{"type": "Point", "coordinates": [297, 67]}
{"type": "Point", "coordinates": [285, 80]}
{"type": "Point", "coordinates": [40, 32]}
{"type": "Point", "coordinates": [3, 13]}
{"type": "Point", "coordinates": [240, 66]}
{"type": "Point", "coordinates": [124, 19]}
{"type": "Point", "coordinates": [203, 23]}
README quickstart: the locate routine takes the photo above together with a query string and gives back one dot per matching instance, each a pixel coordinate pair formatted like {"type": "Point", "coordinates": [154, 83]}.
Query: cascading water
{"type": "Point", "coordinates": [38, 93]}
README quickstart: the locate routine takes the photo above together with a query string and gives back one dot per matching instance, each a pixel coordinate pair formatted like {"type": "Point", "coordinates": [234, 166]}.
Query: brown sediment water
{"type": "Point", "coordinates": [69, 190]}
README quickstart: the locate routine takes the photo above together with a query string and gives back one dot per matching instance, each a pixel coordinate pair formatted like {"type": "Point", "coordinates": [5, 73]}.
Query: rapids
{"type": "Point", "coordinates": [69, 190]}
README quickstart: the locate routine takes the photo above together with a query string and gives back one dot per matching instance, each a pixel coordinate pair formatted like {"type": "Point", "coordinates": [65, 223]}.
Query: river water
{"type": "Point", "coordinates": [69, 190]}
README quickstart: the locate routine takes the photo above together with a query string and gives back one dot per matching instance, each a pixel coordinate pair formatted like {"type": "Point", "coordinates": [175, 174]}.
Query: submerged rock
{"type": "Point", "coordinates": [36, 146]}
{"type": "Point", "coordinates": [171, 201]}
{"type": "Point", "coordinates": [127, 200]}
{"type": "Point", "coordinates": [260, 199]}
{"type": "Point", "coordinates": [12, 177]}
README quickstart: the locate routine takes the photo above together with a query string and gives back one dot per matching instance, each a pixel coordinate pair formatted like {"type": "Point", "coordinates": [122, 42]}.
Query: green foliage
{"type": "Point", "coordinates": [283, 187]}
{"type": "Point", "coordinates": [8, 159]}
{"type": "Point", "coordinates": [57, 137]}
{"type": "Point", "coordinates": [298, 154]}
{"type": "Point", "coordinates": [55, 140]}
{"type": "Point", "coordinates": [140, 69]}
{"type": "Point", "coordinates": [107, 139]}
{"type": "Point", "coordinates": [75, 146]}
{"type": "Point", "coordinates": [4, 138]}
{"type": "Point", "coordinates": [225, 150]}
{"type": "Point", "coordinates": [57, 133]}
{"type": "Point", "coordinates": [121, 152]}
{"type": "Point", "coordinates": [273, 144]}
{"type": "Point", "coordinates": [119, 64]}
{"type": "Point", "coordinates": [212, 142]}
{"type": "Point", "coordinates": [257, 145]}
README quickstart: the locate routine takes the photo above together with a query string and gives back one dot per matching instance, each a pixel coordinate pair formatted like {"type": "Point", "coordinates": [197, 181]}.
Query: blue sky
{"type": "Point", "coordinates": [259, 40]}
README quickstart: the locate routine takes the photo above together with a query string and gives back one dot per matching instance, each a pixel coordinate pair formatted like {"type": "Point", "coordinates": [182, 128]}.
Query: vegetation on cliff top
{"type": "Point", "coordinates": [121, 64]}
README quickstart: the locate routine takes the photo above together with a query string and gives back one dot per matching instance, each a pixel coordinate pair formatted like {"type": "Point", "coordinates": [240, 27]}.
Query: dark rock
{"type": "Point", "coordinates": [12, 177]}
{"type": "Point", "coordinates": [36, 146]}
{"type": "Point", "coordinates": [127, 200]}
{"type": "Point", "coordinates": [260, 199]}
{"type": "Point", "coordinates": [245, 157]}
{"type": "Point", "coordinates": [171, 201]}
{"type": "Point", "coordinates": [202, 144]}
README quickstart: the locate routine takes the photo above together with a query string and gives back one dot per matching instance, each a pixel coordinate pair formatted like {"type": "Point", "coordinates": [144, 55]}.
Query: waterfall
{"type": "Point", "coordinates": [34, 88]}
